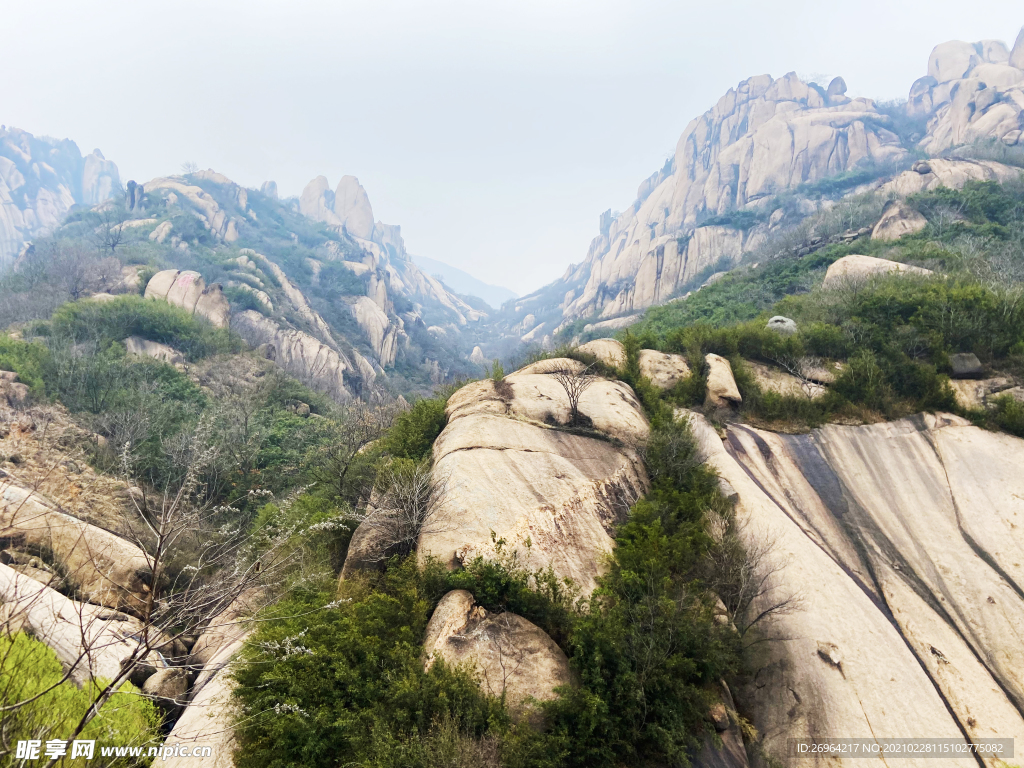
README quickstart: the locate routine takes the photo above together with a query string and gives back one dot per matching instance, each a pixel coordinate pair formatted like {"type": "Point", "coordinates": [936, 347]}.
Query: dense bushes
{"type": "Point", "coordinates": [107, 321]}
{"type": "Point", "coordinates": [26, 360]}
{"type": "Point", "coordinates": [340, 683]}
{"type": "Point", "coordinates": [29, 668]}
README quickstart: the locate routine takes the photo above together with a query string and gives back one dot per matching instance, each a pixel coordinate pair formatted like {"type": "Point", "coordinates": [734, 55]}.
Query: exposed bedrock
{"type": "Point", "coordinates": [903, 542]}
{"type": "Point", "coordinates": [511, 467]}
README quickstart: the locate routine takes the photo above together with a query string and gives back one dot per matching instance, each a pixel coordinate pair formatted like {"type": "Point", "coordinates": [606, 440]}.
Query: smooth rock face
{"type": "Point", "coordinates": [68, 627]}
{"type": "Point", "coordinates": [898, 219]}
{"type": "Point", "coordinates": [352, 206]}
{"type": "Point", "coordinates": [783, 325]}
{"type": "Point", "coordinates": [508, 470]}
{"type": "Point", "coordinates": [208, 719]}
{"type": "Point", "coordinates": [854, 269]}
{"type": "Point", "coordinates": [903, 542]}
{"type": "Point", "coordinates": [188, 290]}
{"type": "Point", "coordinates": [511, 656]}
{"type": "Point", "coordinates": [136, 345]}
{"type": "Point", "coordinates": [966, 365]}
{"type": "Point", "coordinates": [107, 569]}
{"type": "Point", "coordinates": [664, 370]}
{"type": "Point", "coordinates": [608, 351]}
{"type": "Point", "coordinates": [477, 356]}
{"type": "Point", "coordinates": [722, 389]}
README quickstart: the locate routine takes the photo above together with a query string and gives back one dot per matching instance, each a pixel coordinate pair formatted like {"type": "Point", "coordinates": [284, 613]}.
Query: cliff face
{"type": "Point", "coordinates": [763, 137]}
{"type": "Point", "coordinates": [769, 136]}
{"type": "Point", "coordinates": [40, 179]}
{"type": "Point", "coordinates": [903, 544]}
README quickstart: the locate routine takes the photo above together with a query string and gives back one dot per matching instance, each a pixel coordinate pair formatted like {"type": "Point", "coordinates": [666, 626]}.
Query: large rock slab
{"type": "Point", "coordinates": [188, 290]}
{"type": "Point", "coordinates": [902, 541]}
{"type": "Point", "coordinates": [208, 720]}
{"type": "Point", "coordinates": [511, 657]}
{"type": "Point", "coordinates": [90, 640]}
{"type": "Point", "coordinates": [898, 219]}
{"type": "Point", "coordinates": [855, 269]}
{"type": "Point", "coordinates": [308, 359]}
{"type": "Point", "coordinates": [106, 569]}
{"type": "Point", "coordinates": [509, 469]}
{"type": "Point", "coordinates": [664, 370]}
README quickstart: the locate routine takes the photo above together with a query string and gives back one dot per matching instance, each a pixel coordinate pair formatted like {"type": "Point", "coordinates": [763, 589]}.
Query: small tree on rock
{"type": "Point", "coordinates": [575, 381]}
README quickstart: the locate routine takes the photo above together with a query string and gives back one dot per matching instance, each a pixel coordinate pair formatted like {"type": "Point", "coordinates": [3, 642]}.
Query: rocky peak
{"type": "Point", "coordinates": [40, 180]}
{"type": "Point", "coordinates": [972, 92]}
{"type": "Point", "coordinates": [352, 207]}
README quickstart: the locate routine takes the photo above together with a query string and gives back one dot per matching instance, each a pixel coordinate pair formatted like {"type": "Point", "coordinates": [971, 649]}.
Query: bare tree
{"type": "Point", "coordinates": [166, 602]}
{"type": "Point", "coordinates": [406, 503]}
{"type": "Point", "coordinates": [803, 368]}
{"type": "Point", "coordinates": [575, 380]}
{"type": "Point", "coordinates": [345, 434]}
{"type": "Point", "coordinates": [189, 167]}
{"type": "Point", "coordinates": [743, 570]}
{"type": "Point", "coordinates": [112, 231]}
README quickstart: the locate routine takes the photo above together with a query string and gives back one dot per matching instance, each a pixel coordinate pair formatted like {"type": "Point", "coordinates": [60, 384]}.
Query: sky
{"type": "Point", "coordinates": [494, 132]}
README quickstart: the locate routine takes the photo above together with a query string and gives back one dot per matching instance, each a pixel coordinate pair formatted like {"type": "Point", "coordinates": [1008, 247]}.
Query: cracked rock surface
{"type": "Point", "coordinates": [905, 543]}
{"type": "Point", "coordinates": [511, 467]}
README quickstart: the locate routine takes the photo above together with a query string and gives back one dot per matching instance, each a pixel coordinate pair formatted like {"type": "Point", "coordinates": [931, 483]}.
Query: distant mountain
{"type": "Point", "coordinates": [40, 180]}
{"type": "Point", "coordinates": [746, 175]}
{"type": "Point", "coordinates": [465, 283]}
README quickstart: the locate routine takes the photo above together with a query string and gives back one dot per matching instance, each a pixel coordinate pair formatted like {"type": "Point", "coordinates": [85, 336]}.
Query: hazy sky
{"type": "Point", "coordinates": [494, 132]}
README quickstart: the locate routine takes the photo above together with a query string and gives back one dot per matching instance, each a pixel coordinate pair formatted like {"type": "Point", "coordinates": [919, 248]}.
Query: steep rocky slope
{"type": "Point", "coordinates": [334, 308]}
{"type": "Point", "coordinates": [40, 180]}
{"type": "Point", "coordinates": [771, 153]}
{"type": "Point", "coordinates": [553, 496]}
{"type": "Point", "coordinates": [902, 541]}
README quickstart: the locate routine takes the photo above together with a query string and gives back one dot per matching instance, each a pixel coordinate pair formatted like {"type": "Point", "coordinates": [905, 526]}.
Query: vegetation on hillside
{"type": "Point", "coordinates": [893, 334]}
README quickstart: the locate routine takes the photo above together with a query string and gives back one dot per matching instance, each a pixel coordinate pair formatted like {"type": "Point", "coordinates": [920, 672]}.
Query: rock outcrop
{"type": "Point", "coordinates": [904, 545]}
{"type": "Point", "coordinates": [188, 290]}
{"type": "Point", "coordinates": [321, 367]}
{"type": "Point", "coordinates": [208, 720]}
{"type": "Point", "coordinates": [90, 640]}
{"type": "Point", "coordinates": [512, 657]}
{"type": "Point", "coordinates": [136, 345]}
{"type": "Point", "coordinates": [608, 351]}
{"type": "Point", "coordinates": [771, 379]}
{"type": "Point", "coordinates": [664, 370]}
{"type": "Point", "coordinates": [103, 567]}
{"type": "Point", "coordinates": [898, 219]}
{"type": "Point", "coordinates": [855, 269]}
{"type": "Point", "coordinates": [722, 390]}
{"type": "Point", "coordinates": [40, 179]}
{"type": "Point", "coordinates": [762, 138]}
{"type": "Point", "coordinates": [507, 467]}
{"type": "Point", "coordinates": [222, 222]}
{"type": "Point", "coordinates": [972, 92]}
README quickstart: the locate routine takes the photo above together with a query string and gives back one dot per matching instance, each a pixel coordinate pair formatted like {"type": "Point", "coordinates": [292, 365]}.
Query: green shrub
{"type": "Point", "coordinates": [104, 322]}
{"type": "Point", "coordinates": [1009, 415]}
{"type": "Point", "coordinates": [25, 359]}
{"type": "Point", "coordinates": [413, 433]}
{"type": "Point", "coordinates": [340, 683]}
{"type": "Point", "coordinates": [29, 668]}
